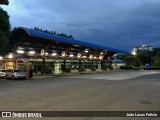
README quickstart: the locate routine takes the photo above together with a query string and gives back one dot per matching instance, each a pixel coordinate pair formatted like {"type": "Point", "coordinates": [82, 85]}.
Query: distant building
{"type": "Point", "coordinates": [117, 64]}
{"type": "Point", "coordinates": [139, 48]}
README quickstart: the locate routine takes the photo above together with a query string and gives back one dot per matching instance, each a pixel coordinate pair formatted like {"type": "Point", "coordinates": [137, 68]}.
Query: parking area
{"type": "Point", "coordinates": [107, 91]}
{"type": "Point", "coordinates": [115, 75]}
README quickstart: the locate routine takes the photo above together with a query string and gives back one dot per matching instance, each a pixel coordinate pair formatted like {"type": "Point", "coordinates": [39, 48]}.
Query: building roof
{"type": "Point", "coordinates": [32, 40]}
{"type": "Point", "coordinates": [118, 61]}
{"type": "Point", "coordinates": [39, 34]}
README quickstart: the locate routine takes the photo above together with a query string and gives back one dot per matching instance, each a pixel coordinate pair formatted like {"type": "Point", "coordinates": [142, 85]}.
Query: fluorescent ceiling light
{"type": "Point", "coordinates": [71, 55]}
{"type": "Point", "coordinates": [20, 51]}
{"type": "Point", "coordinates": [86, 51]}
{"type": "Point", "coordinates": [46, 53]}
{"type": "Point", "coordinates": [84, 57]}
{"type": "Point", "coordinates": [10, 56]}
{"type": "Point", "coordinates": [32, 52]}
{"type": "Point", "coordinates": [1, 58]}
{"type": "Point", "coordinates": [54, 54]}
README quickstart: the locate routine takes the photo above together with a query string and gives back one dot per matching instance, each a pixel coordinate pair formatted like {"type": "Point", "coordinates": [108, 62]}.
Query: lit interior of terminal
{"type": "Point", "coordinates": [45, 53]}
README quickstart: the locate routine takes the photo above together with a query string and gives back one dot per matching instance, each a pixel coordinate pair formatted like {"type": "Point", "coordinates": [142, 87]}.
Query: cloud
{"type": "Point", "coordinates": [118, 23]}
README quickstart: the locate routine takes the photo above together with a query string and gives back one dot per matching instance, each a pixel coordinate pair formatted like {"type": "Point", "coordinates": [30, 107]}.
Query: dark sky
{"type": "Point", "coordinates": [120, 24]}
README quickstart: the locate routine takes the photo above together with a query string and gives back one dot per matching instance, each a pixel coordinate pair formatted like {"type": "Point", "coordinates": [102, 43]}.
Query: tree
{"type": "Point", "coordinates": [55, 33]}
{"type": "Point", "coordinates": [131, 61]}
{"type": "Point", "coordinates": [142, 57]}
{"type": "Point", "coordinates": [145, 56]}
{"type": "Point", "coordinates": [157, 59]}
{"type": "Point", "coordinates": [4, 29]}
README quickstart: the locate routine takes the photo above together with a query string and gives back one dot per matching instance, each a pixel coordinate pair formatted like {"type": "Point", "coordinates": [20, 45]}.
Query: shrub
{"type": "Point", "coordinates": [153, 68]}
{"type": "Point", "coordinates": [126, 67]}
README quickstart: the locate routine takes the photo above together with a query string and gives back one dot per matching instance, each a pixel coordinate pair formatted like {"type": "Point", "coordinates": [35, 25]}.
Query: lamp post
{"type": "Point", "coordinates": [134, 54]}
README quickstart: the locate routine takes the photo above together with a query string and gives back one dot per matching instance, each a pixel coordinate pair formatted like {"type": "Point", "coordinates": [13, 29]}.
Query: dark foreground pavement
{"type": "Point", "coordinates": [82, 94]}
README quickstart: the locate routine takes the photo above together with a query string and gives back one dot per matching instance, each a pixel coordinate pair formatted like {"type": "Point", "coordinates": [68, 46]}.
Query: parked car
{"type": "Point", "coordinates": [15, 74]}
{"type": "Point", "coordinates": [2, 73]}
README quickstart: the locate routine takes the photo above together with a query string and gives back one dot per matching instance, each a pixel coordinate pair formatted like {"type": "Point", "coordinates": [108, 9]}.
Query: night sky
{"type": "Point", "coordinates": [120, 24]}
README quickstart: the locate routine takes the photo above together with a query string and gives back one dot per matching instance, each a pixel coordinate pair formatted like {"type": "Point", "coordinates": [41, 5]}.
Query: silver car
{"type": "Point", "coordinates": [2, 73]}
{"type": "Point", "coordinates": [15, 74]}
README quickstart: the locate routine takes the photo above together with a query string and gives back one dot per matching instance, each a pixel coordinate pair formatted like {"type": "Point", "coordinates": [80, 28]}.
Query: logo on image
{"type": "Point", "coordinates": [6, 114]}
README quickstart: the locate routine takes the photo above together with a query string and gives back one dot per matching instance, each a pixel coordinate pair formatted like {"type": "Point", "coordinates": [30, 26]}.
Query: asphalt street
{"type": "Point", "coordinates": [107, 91]}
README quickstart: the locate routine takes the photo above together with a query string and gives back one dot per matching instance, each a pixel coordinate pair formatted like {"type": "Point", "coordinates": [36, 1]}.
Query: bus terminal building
{"type": "Point", "coordinates": [46, 53]}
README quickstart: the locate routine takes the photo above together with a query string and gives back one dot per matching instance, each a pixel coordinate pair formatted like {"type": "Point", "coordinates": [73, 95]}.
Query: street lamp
{"type": "Point", "coordinates": [134, 53]}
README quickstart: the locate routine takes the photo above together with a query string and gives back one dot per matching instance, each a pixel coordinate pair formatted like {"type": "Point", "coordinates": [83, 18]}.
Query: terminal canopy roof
{"type": "Point", "coordinates": [26, 42]}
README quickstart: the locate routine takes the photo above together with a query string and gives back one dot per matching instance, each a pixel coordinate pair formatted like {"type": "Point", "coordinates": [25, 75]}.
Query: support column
{"type": "Point", "coordinates": [43, 65]}
{"type": "Point", "coordinates": [27, 68]}
{"type": "Point", "coordinates": [15, 64]}
{"type": "Point", "coordinates": [101, 64]}
{"type": "Point", "coordinates": [64, 65]}
{"type": "Point", "coordinates": [92, 65]}
{"type": "Point", "coordinates": [80, 66]}
{"type": "Point", "coordinates": [5, 67]}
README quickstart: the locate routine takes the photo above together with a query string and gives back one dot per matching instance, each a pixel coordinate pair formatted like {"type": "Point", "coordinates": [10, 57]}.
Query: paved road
{"type": "Point", "coordinates": [116, 75]}
{"type": "Point", "coordinates": [111, 91]}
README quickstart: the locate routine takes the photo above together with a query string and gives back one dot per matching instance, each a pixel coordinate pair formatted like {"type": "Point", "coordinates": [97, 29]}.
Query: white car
{"type": "Point", "coordinates": [15, 74]}
{"type": "Point", "coordinates": [2, 73]}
